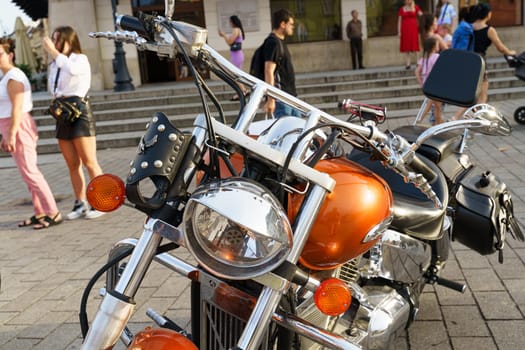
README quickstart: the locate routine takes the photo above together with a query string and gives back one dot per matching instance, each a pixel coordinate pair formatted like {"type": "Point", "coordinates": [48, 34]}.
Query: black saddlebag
{"type": "Point", "coordinates": [482, 208]}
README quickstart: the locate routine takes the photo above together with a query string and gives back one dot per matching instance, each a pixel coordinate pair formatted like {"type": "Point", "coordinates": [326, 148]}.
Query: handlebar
{"type": "Point", "coordinates": [168, 38]}
{"type": "Point", "coordinates": [132, 24]}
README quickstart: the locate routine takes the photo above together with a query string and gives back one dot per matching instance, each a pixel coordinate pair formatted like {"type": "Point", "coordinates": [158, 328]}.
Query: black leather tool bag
{"type": "Point", "coordinates": [483, 209]}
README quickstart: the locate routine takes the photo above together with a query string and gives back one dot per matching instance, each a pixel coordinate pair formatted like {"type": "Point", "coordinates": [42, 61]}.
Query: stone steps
{"type": "Point", "coordinates": [121, 117]}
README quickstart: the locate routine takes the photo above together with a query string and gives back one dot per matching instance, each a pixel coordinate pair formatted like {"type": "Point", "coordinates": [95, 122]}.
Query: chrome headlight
{"type": "Point", "coordinates": [236, 228]}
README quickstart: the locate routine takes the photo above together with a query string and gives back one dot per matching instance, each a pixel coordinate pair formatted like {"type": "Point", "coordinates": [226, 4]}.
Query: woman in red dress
{"type": "Point", "coordinates": [408, 30]}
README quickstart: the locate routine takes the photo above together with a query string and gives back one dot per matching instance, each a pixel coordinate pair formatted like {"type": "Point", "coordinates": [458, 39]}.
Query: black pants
{"type": "Point", "coordinates": [356, 51]}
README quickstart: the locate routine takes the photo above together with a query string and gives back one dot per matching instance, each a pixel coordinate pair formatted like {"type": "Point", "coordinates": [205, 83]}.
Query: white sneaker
{"type": "Point", "coordinates": [79, 210]}
{"type": "Point", "coordinates": [93, 214]}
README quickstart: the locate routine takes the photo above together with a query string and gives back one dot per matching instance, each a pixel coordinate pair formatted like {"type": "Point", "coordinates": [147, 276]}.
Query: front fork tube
{"type": "Point", "coordinates": [269, 298]}
{"type": "Point", "coordinates": [118, 305]}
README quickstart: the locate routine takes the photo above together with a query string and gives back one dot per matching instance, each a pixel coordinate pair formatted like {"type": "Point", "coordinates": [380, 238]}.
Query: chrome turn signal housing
{"type": "Point", "coordinates": [236, 228]}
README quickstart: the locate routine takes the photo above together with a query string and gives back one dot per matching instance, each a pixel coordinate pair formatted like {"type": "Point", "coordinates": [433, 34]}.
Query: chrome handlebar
{"type": "Point", "coordinates": [169, 35]}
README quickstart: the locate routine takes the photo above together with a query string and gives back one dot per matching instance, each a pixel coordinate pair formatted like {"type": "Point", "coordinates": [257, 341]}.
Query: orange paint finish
{"type": "Point", "coordinates": [360, 201]}
{"type": "Point", "coordinates": [160, 339]}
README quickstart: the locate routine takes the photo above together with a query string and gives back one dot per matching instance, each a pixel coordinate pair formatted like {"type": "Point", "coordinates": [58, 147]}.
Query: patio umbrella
{"type": "Point", "coordinates": [23, 52]}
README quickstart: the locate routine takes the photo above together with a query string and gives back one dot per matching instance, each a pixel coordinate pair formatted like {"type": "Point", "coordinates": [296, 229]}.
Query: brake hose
{"type": "Point", "coordinates": [84, 325]}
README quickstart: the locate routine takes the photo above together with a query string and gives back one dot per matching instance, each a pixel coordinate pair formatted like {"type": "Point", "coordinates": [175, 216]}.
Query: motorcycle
{"type": "Point", "coordinates": [295, 245]}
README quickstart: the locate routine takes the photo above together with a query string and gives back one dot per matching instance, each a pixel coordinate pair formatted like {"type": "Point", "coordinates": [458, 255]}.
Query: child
{"type": "Point", "coordinates": [424, 66]}
{"type": "Point", "coordinates": [444, 31]}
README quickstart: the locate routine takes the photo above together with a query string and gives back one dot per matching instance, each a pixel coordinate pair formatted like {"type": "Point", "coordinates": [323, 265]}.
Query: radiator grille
{"type": "Point", "coordinates": [349, 271]}
{"type": "Point", "coordinates": [222, 330]}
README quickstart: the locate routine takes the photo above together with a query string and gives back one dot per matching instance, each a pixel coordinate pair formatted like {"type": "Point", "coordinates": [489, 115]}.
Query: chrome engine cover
{"type": "Point", "coordinates": [381, 319]}
{"type": "Point", "coordinates": [398, 257]}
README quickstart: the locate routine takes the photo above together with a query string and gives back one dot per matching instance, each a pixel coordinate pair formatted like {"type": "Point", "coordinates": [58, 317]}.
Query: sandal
{"type": "Point", "coordinates": [47, 221]}
{"type": "Point", "coordinates": [33, 220]}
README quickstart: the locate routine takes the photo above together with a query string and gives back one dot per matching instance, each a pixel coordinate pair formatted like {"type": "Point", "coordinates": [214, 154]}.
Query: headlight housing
{"type": "Point", "coordinates": [236, 228]}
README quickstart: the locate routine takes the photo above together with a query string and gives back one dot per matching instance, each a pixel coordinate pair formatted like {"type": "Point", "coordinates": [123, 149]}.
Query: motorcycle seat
{"type": "Point", "coordinates": [437, 147]}
{"type": "Point", "coordinates": [414, 213]}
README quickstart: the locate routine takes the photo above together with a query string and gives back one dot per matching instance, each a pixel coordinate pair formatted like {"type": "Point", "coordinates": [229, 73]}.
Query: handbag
{"type": "Point", "coordinates": [66, 108]}
{"type": "Point", "coordinates": [236, 46]}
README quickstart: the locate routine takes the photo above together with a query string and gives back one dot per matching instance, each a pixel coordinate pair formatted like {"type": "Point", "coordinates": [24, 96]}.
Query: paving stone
{"type": "Point", "coordinates": [469, 259]}
{"type": "Point", "coordinates": [469, 343]}
{"type": "Point", "coordinates": [482, 280]}
{"type": "Point", "coordinates": [516, 289]}
{"type": "Point", "coordinates": [421, 338]}
{"type": "Point", "coordinates": [452, 271]}
{"type": "Point", "coordinates": [464, 321]}
{"type": "Point", "coordinates": [429, 308]}
{"type": "Point", "coordinates": [60, 338]}
{"type": "Point", "coordinates": [508, 335]}
{"type": "Point", "coordinates": [510, 269]}
{"type": "Point", "coordinates": [504, 309]}
{"type": "Point", "coordinates": [21, 343]}
{"type": "Point", "coordinates": [520, 252]}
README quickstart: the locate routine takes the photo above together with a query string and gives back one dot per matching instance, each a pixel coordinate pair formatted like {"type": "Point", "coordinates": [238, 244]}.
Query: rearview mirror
{"type": "Point", "coordinates": [498, 125]}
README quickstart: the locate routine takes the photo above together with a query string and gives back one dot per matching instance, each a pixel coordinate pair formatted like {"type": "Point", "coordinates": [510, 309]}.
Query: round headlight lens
{"type": "Point", "coordinates": [236, 228]}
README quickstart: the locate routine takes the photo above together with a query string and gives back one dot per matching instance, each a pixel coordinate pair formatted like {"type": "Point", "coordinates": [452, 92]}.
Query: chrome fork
{"type": "Point", "coordinates": [118, 304]}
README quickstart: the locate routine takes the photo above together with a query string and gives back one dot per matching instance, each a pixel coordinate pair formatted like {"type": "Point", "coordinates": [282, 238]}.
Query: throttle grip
{"type": "Point", "coordinates": [132, 24]}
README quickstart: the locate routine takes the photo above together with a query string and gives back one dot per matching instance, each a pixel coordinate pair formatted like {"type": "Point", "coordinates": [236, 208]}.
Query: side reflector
{"type": "Point", "coordinates": [106, 192]}
{"type": "Point", "coordinates": [333, 297]}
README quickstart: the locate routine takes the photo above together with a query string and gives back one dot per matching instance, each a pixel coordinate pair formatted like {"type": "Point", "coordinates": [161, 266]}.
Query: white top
{"type": "Point", "coordinates": [74, 78]}
{"type": "Point", "coordinates": [6, 106]}
{"type": "Point", "coordinates": [446, 14]}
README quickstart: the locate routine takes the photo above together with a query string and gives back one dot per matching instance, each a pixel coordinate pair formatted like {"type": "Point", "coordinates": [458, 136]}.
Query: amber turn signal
{"type": "Point", "coordinates": [333, 297]}
{"type": "Point", "coordinates": [106, 192]}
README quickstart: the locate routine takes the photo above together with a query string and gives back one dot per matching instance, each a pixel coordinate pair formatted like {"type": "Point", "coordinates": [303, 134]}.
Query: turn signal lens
{"type": "Point", "coordinates": [106, 192]}
{"type": "Point", "coordinates": [333, 297]}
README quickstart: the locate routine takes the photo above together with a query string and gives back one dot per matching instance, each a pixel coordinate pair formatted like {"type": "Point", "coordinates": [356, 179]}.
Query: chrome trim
{"type": "Point", "coordinates": [300, 326]}
{"type": "Point", "coordinates": [166, 259]}
{"type": "Point", "coordinates": [271, 155]}
{"type": "Point", "coordinates": [259, 320]}
{"type": "Point", "coordinates": [111, 319]}
{"type": "Point", "coordinates": [398, 257]}
{"type": "Point", "coordinates": [113, 314]}
{"type": "Point", "coordinates": [381, 320]}
{"type": "Point", "coordinates": [269, 298]}
{"type": "Point", "coordinates": [139, 261]}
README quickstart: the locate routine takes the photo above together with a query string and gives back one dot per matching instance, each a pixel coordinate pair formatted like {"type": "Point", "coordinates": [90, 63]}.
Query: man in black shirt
{"type": "Point", "coordinates": [354, 32]}
{"type": "Point", "coordinates": [278, 67]}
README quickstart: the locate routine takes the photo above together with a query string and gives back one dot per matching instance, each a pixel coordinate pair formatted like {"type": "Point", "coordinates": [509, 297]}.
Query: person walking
{"type": "Point", "coordinates": [19, 137]}
{"type": "Point", "coordinates": [446, 14]}
{"type": "Point", "coordinates": [234, 40]}
{"type": "Point", "coordinates": [423, 68]}
{"type": "Point", "coordinates": [463, 36]}
{"type": "Point", "coordinates": [484, 36]}
{"type": "Point", "coordinates": [278, 66]}
{"type": "Point", "coordinates": [69, 75]}
{"type": "Point", "coordinates": [354, 32]}
{"type": "Point", "coordinates": [430, 27]}
{"type": "Point", "coordinates": [408, 30]}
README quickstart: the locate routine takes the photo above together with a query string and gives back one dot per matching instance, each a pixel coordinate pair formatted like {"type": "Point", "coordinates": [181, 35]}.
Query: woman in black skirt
{"type": "Point", "coordinates": [69, 76]}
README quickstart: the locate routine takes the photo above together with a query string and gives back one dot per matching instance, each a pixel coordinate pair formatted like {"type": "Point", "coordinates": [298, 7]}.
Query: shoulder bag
{"type": "Point", "coordinates": [67, 109]}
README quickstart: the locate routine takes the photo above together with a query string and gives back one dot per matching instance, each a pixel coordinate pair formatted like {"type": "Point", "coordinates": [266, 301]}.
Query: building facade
{"type": "Point", "coordinates": [319, 43]}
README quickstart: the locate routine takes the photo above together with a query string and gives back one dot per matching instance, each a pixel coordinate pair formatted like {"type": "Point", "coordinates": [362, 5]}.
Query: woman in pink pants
{"type": "Point", "coordinates": [19, 136]}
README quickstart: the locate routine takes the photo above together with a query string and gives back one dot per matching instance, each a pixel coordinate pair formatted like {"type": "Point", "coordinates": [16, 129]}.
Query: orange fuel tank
{"type": "Point", "coordinates": [360, 203]}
